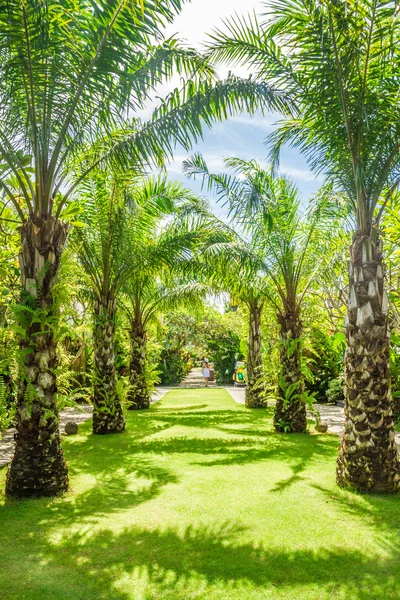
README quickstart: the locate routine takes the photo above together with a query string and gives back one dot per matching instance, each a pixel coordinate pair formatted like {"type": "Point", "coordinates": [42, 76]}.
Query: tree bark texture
{"type": "Point", "coordinates": [290, 410]}
{"type": "Point", "coordinates": [368, 458]}
{"type": "Point", "coordinates": [138, 396]}
{"type": "Point", "coordinates": [38, 467]}
{"type": "Point", "coordinates": [108, 415]}
{"type": "Point", "coordinates": [255, 385]}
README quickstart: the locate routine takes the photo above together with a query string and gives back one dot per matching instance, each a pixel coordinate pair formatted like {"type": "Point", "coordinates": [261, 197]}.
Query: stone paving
{"type": "Point", "coordinates": [237, 393]}
{"type": "Point", "coordinates": [195, 379]}
{"type": "Point", "coordinates": [78, 415]}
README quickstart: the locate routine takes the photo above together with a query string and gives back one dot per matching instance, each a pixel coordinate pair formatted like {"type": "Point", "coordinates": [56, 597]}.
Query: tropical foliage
{"type": "Point", "coordinates": [338, 62]}
{"type": "Point", "coordinates": [111, 273]}
{"type": "Point", "coordinates": [74, 77]}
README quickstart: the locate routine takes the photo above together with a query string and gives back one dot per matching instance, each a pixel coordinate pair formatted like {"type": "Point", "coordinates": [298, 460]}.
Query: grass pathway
{"type": "Point", "coordinates": [199, 499]}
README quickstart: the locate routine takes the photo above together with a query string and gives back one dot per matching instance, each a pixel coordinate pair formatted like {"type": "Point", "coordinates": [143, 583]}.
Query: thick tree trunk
{"type": "Point", "coordinates": [108, 416]}
{"type": "Point", "coordinates": [255, 385]}
{"type": "Point", "coordinates": [138, 396]}
{"type": "Point", "coordinates": [290, 410]}
{"type": "Point", "coordinates": [368, 458]}
{"type": "Point", "coordinates": [38, 467]}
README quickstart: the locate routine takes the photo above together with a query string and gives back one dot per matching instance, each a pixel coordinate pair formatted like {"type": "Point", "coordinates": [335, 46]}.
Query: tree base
{"type": "Point", "coordinates": [138, 403]}
{"type": "Point", "coordinates": [255, 399]}
{"type": "Point", "coordinates": [369, 470]}
{"type": "Point", "coordinates": [105, 422]}
{"type": "Point", "coordinates": [291, 418]}
{"type": "Point", "coordinates": [37, 470]}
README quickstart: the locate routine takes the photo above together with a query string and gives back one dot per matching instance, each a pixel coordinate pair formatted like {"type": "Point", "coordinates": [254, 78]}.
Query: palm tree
{"type": "Point", "coordinates": [244, 281]}
{"type": "Point", "coordinates": [122, 216]}
{"type": "Point", "coordinates": [102, 250]}
{"type": "Point", "coordinates": [230, 266]}
{"type": "Point", "coordinates": [339, 63]}
{"type": "Point", "coordinates": [290, 263]}
{"type": "Point", "coordinates": [73, 77]}
{"type": "Point", "coordinates": [255, 395]}
{"type": "Point", "coordinates": [224, 269]}
{"type": "Point", "coordinates": [160, 258]}
{"type": "Point", "coordinates": [147, 296]}
{"type": "Point", "coordinates": [276, 268]}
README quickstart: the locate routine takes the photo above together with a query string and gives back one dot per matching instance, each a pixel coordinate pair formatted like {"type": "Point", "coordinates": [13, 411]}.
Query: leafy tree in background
{"type": "Point", "coordinates": [221, 338]}
{"type": "Point", "coordinates": [176, 334]}
{"type": "Point", "coordinates": [73, 75]}
{"type": "Point", "coordinates": [338, 61]}
{"type": "Point", "coordinates": [191, 337]}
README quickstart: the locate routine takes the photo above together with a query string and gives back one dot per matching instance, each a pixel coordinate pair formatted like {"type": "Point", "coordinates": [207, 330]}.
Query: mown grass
{"type": "Point", "coordinates": [200, 499]}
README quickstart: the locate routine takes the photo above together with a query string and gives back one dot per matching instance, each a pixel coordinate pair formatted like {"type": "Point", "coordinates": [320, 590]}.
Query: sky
{"type": "Point", "coordinates": [240, 136]}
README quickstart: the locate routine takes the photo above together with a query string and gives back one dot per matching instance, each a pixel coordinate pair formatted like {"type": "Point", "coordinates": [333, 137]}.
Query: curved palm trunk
{"type": "Point", "coordinates": [38, 467]}
{"type": "Point", "coordinates": [108, 416]}
{"type": "Point", "coordinates": [138, 396]}
{"type": "Point", "coordinates": [368, 458]}
{"type": "Point", "coordinates": [255, 386]}
{"type": "Point", "coordinates": [290, 410]}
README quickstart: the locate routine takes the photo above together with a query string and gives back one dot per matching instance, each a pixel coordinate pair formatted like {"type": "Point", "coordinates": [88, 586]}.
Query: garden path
{"type": "Point", "coordinates": [194, 379]}
{"type": "Point", "coordinates": [78, 415]}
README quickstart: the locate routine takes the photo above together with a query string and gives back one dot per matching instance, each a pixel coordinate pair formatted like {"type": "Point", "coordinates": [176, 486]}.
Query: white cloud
{"type": "Point", "coordinates": [202, 16]}
{"type": "Point", "coordinates": [300, 174]}
{"type": "Point", "coordinates": [266, 124]}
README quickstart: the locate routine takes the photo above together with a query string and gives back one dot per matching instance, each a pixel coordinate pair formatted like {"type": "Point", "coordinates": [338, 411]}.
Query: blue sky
{"type": "Point", "coordinates": [242, 135]}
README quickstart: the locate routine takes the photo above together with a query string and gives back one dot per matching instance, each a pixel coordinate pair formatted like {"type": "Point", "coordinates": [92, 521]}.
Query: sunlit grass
{"type": "Point", "coordinates": [200, 499]}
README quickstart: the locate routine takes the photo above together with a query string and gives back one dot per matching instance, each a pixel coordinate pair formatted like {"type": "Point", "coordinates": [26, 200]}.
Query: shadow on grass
{"type": "Point", "coordinates": [115, 463]}
{"type": "Point", "coordinates": [173, 563]}
{"type": "Point", "coordinates": [380, 511]}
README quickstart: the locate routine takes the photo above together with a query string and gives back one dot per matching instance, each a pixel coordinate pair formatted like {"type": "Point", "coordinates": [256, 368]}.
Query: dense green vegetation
{"type": "Point", "coordinates": [113, 278]}
{"type": "Point", "coordinates": [338, 63]}
{"type": "Point", "coordinates": [200, 498]}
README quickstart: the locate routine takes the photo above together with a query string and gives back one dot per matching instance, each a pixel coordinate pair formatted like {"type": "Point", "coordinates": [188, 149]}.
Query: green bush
{"type": "Point", "coordinates": [335, 391]}
{"type": "Point", "coordinates": [224, 350]}
{"type": "Point", "coordinates": [174, 366]}
{"type": "Point", "coordinates": [324, 355]}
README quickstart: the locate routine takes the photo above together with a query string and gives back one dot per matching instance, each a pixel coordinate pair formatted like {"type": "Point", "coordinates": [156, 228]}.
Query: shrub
{"type": "Point", "coordinates": [335, 391]}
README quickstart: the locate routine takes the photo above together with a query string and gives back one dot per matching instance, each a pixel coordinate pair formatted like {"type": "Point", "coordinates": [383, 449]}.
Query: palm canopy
{"type": "Point", "coordinates": [270, 259]}
{"type": "Point", "coordinates": [122, 216]}
{"type": "Point", "coordinates": [169, 253]}
{"type": "Point", "coordinates": [74, 74]}
{"type": "Point", "coordinates": [338, 62]}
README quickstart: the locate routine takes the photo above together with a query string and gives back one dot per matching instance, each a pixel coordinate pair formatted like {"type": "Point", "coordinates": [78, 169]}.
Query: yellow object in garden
{"type": "Point", "coordinates": [239, 376]}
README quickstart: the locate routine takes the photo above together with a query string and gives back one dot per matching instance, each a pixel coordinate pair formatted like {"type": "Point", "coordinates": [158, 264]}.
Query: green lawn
{"type": "Point", "coordinates": [200, 499]}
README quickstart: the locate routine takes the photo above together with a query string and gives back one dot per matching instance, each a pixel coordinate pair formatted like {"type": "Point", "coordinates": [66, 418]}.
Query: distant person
{"type": "Point", "coordinates": [206, 371]}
